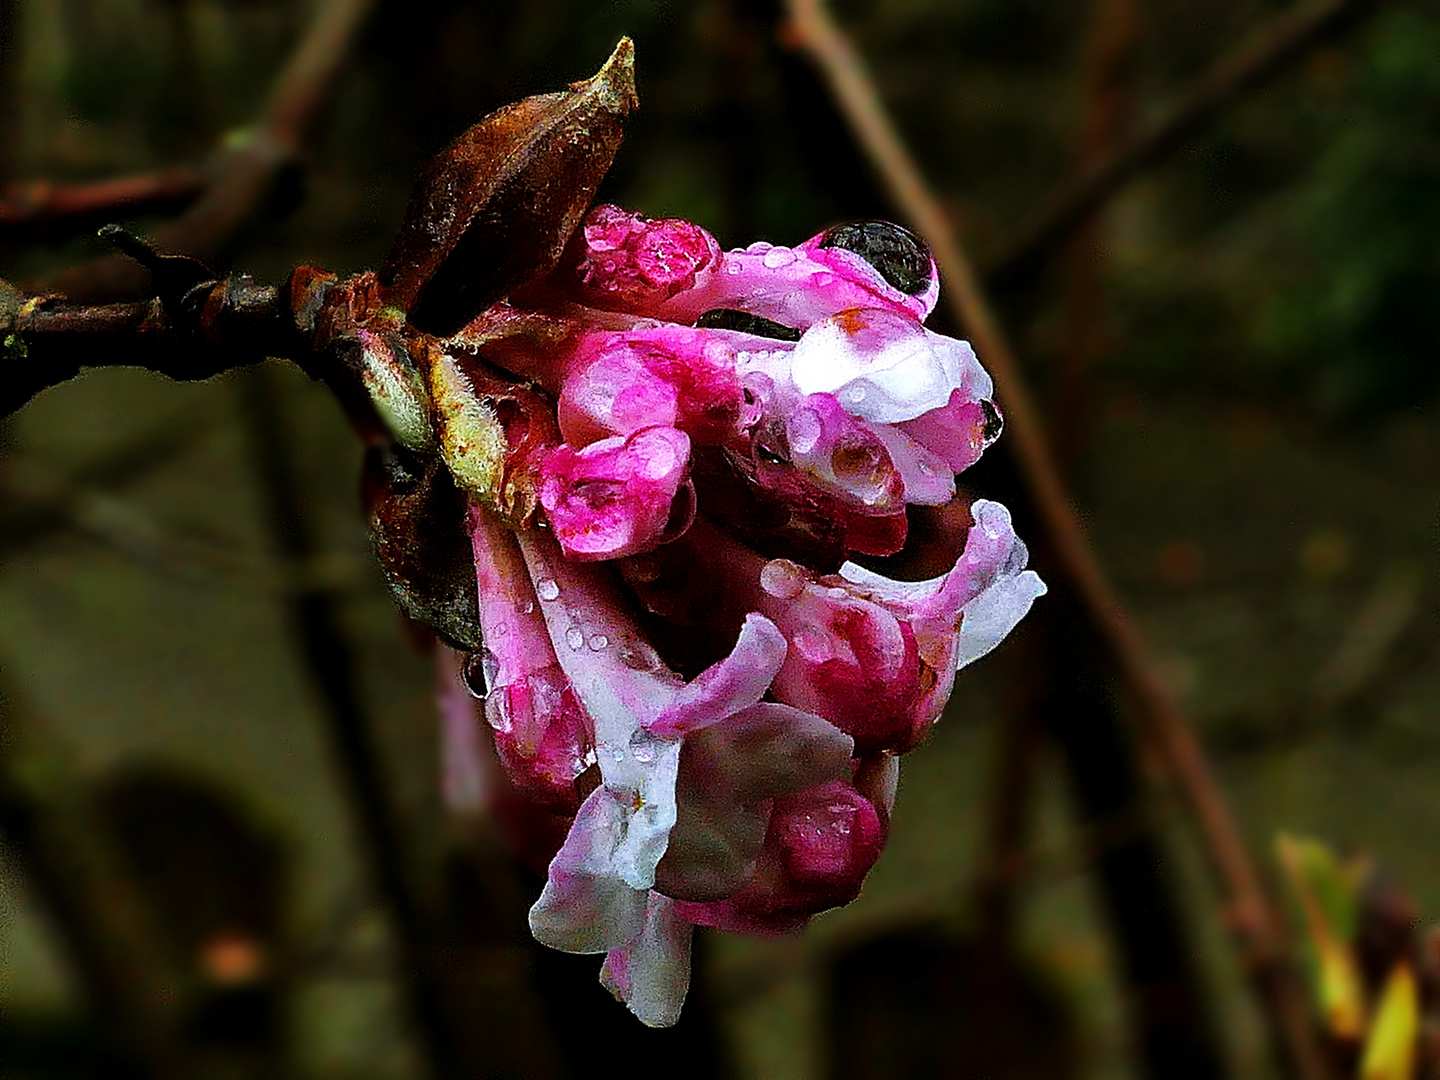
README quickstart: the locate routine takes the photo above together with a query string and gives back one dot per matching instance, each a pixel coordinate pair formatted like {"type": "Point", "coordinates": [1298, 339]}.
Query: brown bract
{"type": "Point", "coordinates": [497, 208]}
{"type": "Point", "coordinates": [416, 517]}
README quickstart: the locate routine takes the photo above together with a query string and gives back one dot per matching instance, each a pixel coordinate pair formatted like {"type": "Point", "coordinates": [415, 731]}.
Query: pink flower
{"type": "Point", "coordinates": [671, 452]}
{"type": "Point", "coordinates": [875, 657]}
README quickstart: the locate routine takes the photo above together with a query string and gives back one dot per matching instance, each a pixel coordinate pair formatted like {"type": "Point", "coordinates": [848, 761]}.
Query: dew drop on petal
{"type": "Point", "coordinates": [548, 589]}
{"type": "Point", "coordinates": [478, 673]}
{"type": "Point", "coordinates": [782, 579]}
{"type": "Point", "coordinates": [598, 642]}
{"type": "Point", "coordinates": [775, 258]}
{"type": "Point", "coordinates": [574, 638]}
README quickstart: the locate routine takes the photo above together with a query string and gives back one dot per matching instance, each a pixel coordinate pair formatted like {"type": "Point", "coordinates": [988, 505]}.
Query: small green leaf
{"type": "Point", "coordinates": [1390, 1047]}
{"type": "Point", "coordinates": [1328, 894]}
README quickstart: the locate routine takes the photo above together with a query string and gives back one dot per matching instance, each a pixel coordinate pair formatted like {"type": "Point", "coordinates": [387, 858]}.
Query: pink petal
{"type": "Point", "coordinates": [735, 683]}
{"type": "Point", "coordinates": [542, 734]}
{"type": "Point", "coordinates": [795, 287]}
{"type": "Point", "coordinates": [959, 431]}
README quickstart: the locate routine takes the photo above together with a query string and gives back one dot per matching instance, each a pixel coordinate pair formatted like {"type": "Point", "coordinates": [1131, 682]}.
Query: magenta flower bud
{"type": "Point", "coordinates": [618, 496]}
{"type": "Point", "coordinates": [635, 265]}
{"type": "Point", "coordinates": [615, 383]}
{"type": "Point", "coordinates": [820, 845]}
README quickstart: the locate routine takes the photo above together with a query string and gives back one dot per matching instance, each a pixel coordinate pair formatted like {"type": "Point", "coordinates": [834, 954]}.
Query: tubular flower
{"type": "Point", "coordinates": [670, 454]}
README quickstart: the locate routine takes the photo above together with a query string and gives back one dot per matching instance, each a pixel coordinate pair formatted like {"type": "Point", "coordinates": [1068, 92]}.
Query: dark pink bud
{"type": "Point", "coordinates": [820, 845]}
{"type": "Point", "coordinates": [632, 264]}
{"type": "Point", "coordinates": [617, 496]}
{"type": "Point", "coordinates": [542, 734]}
{"type": "Point", "coordinates": [675, 376]}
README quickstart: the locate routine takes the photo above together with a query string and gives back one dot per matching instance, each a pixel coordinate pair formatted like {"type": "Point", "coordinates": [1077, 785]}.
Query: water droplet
{"type": "Point", "coordinates": [598, 642]}
{"type": "Point", "coordinates": [548, 589]}
{"type": "Point", "coordinates": [732, 268]}
{"type": "Point", "coordinates": [993, 423]}
{"type": "Point", "coordinates": [574, 638]}
{"type": "Point", "coordinates": [638, 656]}
{"type": "Point", "coordinates": [644, 754]}
{"type": "Point", "coordinates": [782, 579]}
{"type": "Point", "coordinates": [926, 469]}
{"type": "Point", "coordinates": [524, 606]}
{"type": "Point", "coordinates": [775, 258]}
{"type": "Point", "coordinates": [478, 673]}
{"type": "Point", "coordinates": [619, 755]}
{"type": "Point", "coordinates": [855, 394]}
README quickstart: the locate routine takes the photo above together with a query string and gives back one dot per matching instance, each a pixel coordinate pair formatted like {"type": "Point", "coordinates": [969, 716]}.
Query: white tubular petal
{"type": "Point", "coordinates": [586, 906]}
{"type": "Point", "coordinates": [647, 822]}
{"type": "Point", "coordinates": [993, 614]}
{"type": "Point", "coordinates": [651, 974]}
{"type": "Point", "coordinates": [890, 590]}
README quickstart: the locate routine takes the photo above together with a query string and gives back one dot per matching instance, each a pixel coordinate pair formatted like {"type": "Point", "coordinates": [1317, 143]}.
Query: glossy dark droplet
{"type": "Point", "coordinates": [478, 672]}
{"type": "Point", "coordinates": [745, 323]}
{"type": "Point", "coordinates": [900, 257]}
{"type": "Point", "coordinates": [994, 422]}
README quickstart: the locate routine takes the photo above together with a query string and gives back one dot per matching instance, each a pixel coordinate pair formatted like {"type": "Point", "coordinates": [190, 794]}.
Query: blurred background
{"type": "Point", "coordinates": [1237, 355]}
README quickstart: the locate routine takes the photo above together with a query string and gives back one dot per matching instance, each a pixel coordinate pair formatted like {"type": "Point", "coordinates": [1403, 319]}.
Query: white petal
{"type": "Point", "coordinates": [647, 825]}
{"type": "Point", "coordinates": [993, 614]}
{"type": "Point", "coordinates": [881, 365]}
{"type": "Point", "coordinates": [651, 974]}
{"type": "Point", "coordinates": [586, 906]}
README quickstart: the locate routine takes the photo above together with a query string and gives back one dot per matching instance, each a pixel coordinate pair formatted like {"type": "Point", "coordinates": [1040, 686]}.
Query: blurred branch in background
{"type": "Point", "coordinates": [471, 1002]}
{"type": "Point", "coordinates": [1099, 176]}
{"type": "Point", "coordinates": [41, 208]}
{"type": "Point", "coordinates": [132, 995]}
{"type": "Point", "coordinates": [1098, 613]}
{"type": "Point", "coordinates": [330, 666]}
{"type": "Point", "coordinates": [249, 166]}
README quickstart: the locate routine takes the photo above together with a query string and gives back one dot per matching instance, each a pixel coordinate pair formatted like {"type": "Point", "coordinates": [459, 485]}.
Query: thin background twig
{"type": "Point", "coordinates": [1249, 909]}
{"type": "Point", "coordinates": [248, 172]}
{"type": "Point", "coordinates": [1260, 57]}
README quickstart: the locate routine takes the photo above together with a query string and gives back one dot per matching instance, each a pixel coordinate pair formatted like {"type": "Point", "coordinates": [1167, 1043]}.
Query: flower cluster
{"type": "Point", "coordinates": [671, 455]}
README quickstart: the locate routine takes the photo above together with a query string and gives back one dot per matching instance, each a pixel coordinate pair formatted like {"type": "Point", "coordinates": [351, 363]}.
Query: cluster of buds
{"type": "Point", "coordinates": [628, 472]}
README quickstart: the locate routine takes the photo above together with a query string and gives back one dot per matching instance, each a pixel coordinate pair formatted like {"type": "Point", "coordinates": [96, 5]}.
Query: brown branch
{"type": "Point", "coordinates": [46, 340]}
{"type": "Point", "coordinates": [40, 207]}
{"type": "Point", "coordinates": [1250, 913]}
{"type": "Point", "coordinates": [1262, 56]}
{"type": "Point", "coordinates": [248, 170]}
